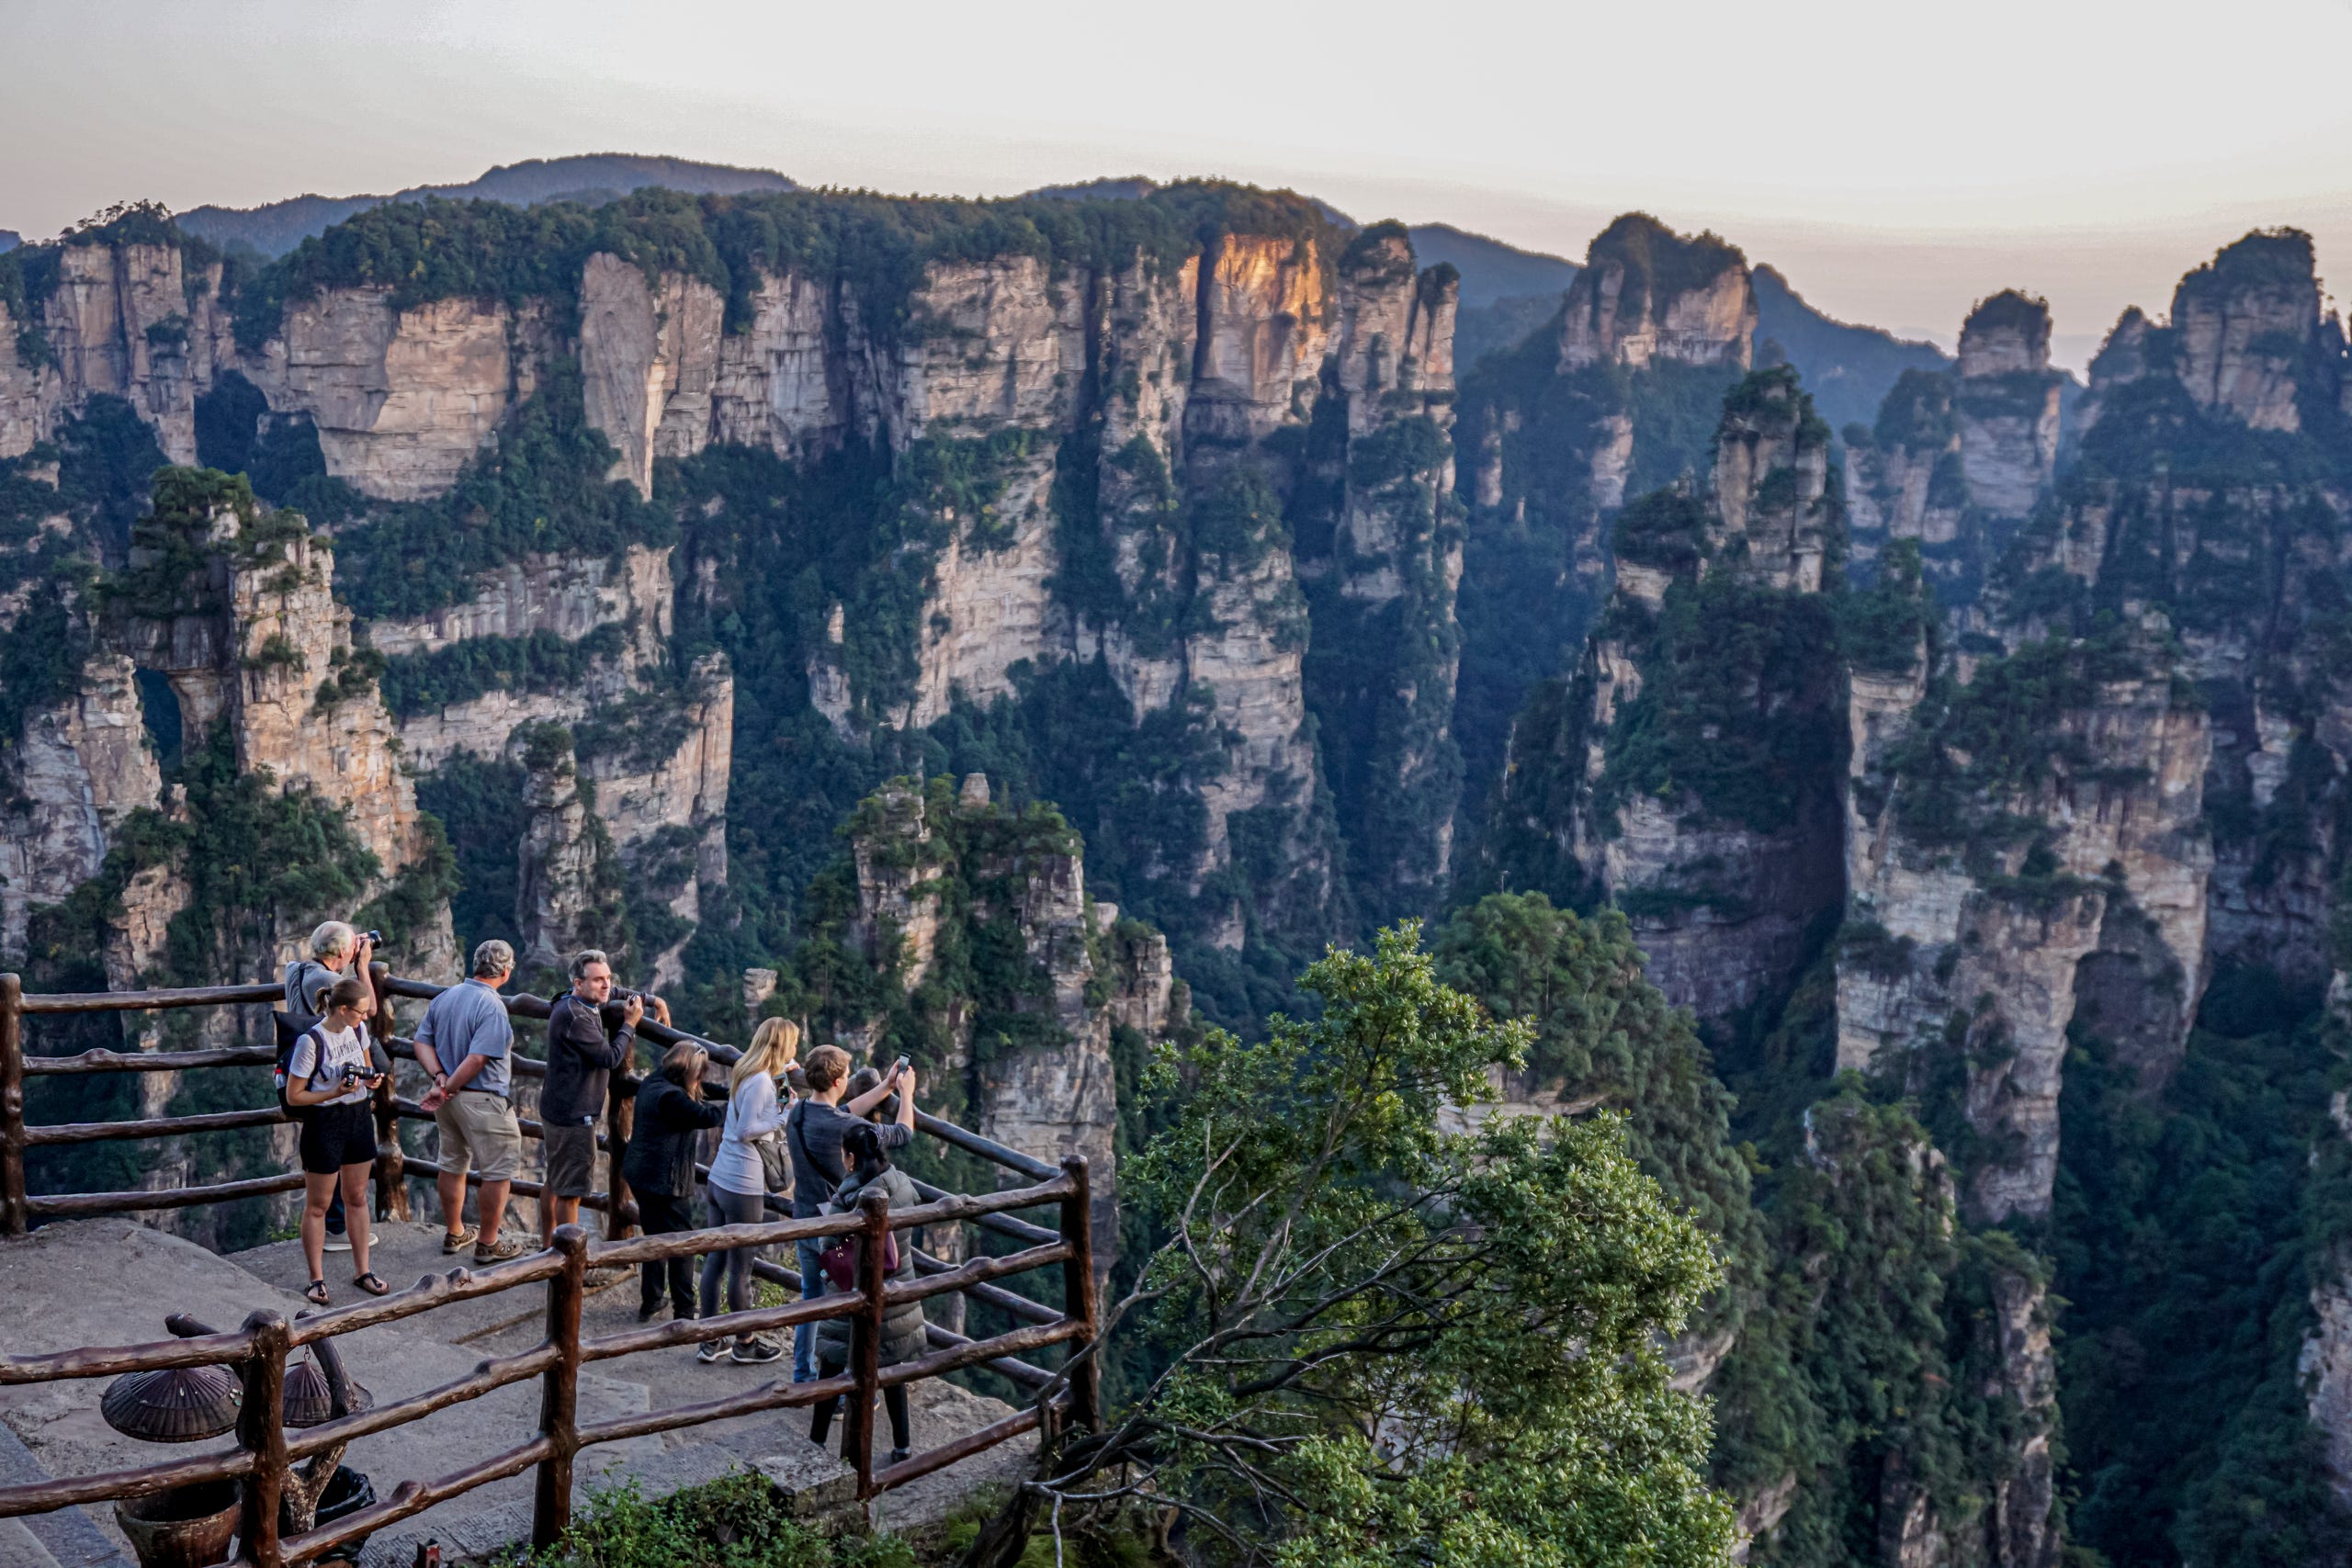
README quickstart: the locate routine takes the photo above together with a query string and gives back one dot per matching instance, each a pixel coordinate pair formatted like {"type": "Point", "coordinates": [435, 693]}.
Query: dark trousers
{"type": "Point", "coordinates": [663, 1216]}
{"type": "Point", "coordinates": [894, 1399]}
{"type": "Point", "coordinates": [731, 1209]}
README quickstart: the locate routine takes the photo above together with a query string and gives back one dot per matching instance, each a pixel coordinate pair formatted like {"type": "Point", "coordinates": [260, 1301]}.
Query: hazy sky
{"type": "Point", "coordinates": [1894, 160]}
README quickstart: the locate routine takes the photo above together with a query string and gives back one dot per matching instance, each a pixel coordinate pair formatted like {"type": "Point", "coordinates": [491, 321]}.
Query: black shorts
{"type": "Point", "coordinates": [338, 1135]}
{"type": "Point", "coordinates": [572, 1159]}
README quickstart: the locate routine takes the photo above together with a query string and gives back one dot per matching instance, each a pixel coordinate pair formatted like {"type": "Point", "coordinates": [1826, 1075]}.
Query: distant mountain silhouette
{"type": "Point", "coordinates": [1848, 370]}
{"type": "Point", "coordinates": [279, 226]}
{"type": "Point", "coordinates": [1490, 269]}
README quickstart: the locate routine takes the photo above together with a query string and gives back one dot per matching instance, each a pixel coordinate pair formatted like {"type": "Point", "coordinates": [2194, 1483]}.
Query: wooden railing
{"type": "Point", "coordinates": [264, 1452]}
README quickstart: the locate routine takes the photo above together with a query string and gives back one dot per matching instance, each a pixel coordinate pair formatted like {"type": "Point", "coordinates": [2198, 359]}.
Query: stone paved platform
{"type": "Point", "coordinates": [111, 1281]}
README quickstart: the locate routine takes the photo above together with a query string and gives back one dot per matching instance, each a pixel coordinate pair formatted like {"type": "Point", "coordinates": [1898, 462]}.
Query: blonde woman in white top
{"type": "Point", "coordinates": [739, 1180]}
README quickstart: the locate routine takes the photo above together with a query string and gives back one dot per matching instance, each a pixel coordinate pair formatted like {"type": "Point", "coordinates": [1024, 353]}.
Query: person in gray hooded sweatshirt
{"type": "Point", "coordinates": [903, 1325]}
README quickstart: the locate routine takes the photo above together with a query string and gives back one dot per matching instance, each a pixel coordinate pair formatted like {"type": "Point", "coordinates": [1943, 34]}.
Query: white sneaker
{"type": "Point", "coordinates": [338, 1244]}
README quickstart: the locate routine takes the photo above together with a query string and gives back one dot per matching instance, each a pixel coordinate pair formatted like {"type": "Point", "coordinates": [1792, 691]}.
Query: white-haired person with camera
{"type": "Point", "coordinates": [337, 950]}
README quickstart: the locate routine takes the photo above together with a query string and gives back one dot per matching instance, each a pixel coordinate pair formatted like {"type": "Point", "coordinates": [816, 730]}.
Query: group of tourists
{"type": "Point", "coordinates": [816, 1132]}
{"type": "Point", "coordinates": [814, 1128]}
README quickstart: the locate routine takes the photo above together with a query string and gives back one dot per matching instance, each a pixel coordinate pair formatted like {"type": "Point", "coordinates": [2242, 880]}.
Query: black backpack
{"type": "Point", "coordinates": [287, 1039]}
{"type": "Point", "coordinates": [290, 1027]}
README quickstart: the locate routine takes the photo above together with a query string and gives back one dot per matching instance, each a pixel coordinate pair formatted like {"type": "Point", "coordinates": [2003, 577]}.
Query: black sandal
{"type": "Point", "coordinates": [372, 1285]}
{"type": "Point", "coordinates": [317, 1294]}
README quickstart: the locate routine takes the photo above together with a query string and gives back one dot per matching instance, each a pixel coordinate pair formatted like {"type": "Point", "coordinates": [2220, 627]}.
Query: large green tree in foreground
{"type": "Point", "coordinates": [1384, 1341]}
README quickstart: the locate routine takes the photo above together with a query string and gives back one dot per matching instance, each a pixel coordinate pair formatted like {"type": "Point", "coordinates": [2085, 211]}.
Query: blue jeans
{"type": "Point", "coordinates": [804, 1336]}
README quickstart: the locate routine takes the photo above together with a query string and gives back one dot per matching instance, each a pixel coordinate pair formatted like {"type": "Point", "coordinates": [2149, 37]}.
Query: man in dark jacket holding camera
{"type": "Point", "coordinates": [582, 1053]}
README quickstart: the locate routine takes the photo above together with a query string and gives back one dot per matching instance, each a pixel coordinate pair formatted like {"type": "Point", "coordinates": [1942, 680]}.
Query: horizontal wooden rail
{"type": "Point", "coordinates": [108, 1362]}
{"type": "Point", "coordinates": [150, 1061]}
{"type": "Point", "coordinates": [1011, 1367]}
{"type": "Point", "coordinates": [1011, 1343]}
{"type": "Point", "coordinates": [404, 1050]}
{"type": "Point", "coordinates": [720, 1238]}
{"type": "Point", "coordinates": [488, 1377]}
{"type": "Point", "coordinates": [47, 1496]}
{"type": "Point", "coordinates": [1021, 1372]}
{"type": "Point", "coordinates": [977, 1271]}
{"type": "Point", "coordinates": [965, 1447]}
{"type": "Point", "coordinates": [430, 1292]}
{"type": "Point", "coordinates": [782, 1395]}
{"type": "Point", "coordinates": [413, 1497]}
{"type": "Point", "coordinates": [154, 1127]}
{"type": "Point", "coordinates": [995, 1295]}
{"type": "Point", "coordinates": [150, 1001]}
{"type": "Point", "coordinates": [83, 1205]}
{"type": "Point", "coordinates": [694, 1330]}
{"type": "Point", "coordinates": [987, 1148]}
{"type": "Point", "coordinates": [981, 1208]}
{"type": "Point", "coordinates": [1002, 1224]}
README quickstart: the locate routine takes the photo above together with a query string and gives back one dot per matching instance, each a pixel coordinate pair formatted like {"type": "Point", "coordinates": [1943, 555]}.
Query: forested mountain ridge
{"type": "Point", "coordinates": [658, 533]}
{"type": "Point", "coordinates": [1999, 786]}
{"type": "Point", "coordinates": [276, 227]}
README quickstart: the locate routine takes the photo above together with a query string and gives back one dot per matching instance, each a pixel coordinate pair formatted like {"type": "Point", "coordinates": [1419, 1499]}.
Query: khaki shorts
{"type": "Point", "coordinates": [478, 1132]}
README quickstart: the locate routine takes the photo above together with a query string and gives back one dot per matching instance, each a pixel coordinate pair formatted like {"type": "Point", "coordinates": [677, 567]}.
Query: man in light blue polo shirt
{"type": "Point", "coordinates": [467, 1042]}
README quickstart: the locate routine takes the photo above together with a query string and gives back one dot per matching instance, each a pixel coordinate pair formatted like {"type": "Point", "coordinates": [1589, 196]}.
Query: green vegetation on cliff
{"type": "Point", "coordinates": [1531, 577]}
{"type": "Point", "coordinates": [1338, 1273]}
{"type": "Point", "coordinates": [1731, 716]}
{"type": "Point", "coordinates": [877, 246]}
{"type": "Point", "coordinates": [2189, 1228]}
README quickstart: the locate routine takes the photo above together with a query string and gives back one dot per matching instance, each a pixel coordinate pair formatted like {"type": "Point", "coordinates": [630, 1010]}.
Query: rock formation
{"type": "Point", "coordinates": [1014, 993]}
{"type": "Point", "coordinates": [80, 769]}
{"type": "Point", "coordinates": [1650, 296]}
{"type": "Point", "coordinates": [1957, 459]}
{"type": "Point", "coordinates": [401, 399]}
{"type": "Point", "coordinates": [1656, 325]}
{"type": "Point", "coordinates": [128, 316]}
{"type": "Point", "coordinates": [1704, 766]}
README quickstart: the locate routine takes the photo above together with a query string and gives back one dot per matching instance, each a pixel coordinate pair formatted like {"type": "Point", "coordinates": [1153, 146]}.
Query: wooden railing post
{"type": "Point", "coordinates": [392, 1160]}
{"type": "Point", "coordinates": [260, 1431]}
{"type": "Point", "coordinates": [14, 1220]}
{"type": "Point", "coordinates": [620, 1126]}
{"type": "Point", "coordinates": [560, 1391]}
{"type": "Point", "coordinates": [1077, 1291]}
{"type": "Point", "coordinates": [866, 1338]}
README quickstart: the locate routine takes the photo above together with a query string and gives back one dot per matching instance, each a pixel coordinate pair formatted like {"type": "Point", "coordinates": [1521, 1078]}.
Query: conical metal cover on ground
{"type": "Point", "coordinates": [175, 1404]}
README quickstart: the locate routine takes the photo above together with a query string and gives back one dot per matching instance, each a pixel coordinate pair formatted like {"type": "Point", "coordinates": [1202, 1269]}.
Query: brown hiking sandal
{"type": "Point", "coordinates": [454, 1242]}
{"type": "Point", "coordinates": [500, 1251]}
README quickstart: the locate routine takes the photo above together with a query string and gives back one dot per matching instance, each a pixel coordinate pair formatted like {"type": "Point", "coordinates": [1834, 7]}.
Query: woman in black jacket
{"type": "Point", "coordinates": [903, 1328]}
{"type": "Point", "coordinates": [660, 1168]}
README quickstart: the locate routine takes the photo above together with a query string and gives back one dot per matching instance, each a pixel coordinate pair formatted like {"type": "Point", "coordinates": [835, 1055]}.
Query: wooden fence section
{"type": "Point", "coordinates": [264, 1452]}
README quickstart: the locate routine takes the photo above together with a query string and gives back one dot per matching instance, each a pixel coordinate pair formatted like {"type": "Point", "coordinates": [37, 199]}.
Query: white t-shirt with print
{"type": "Point", "coordinates": [346, 1062]}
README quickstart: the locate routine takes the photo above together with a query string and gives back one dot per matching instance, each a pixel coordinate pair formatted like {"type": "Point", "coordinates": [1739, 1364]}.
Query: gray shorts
{"type": "Point", "coordinates": [572, 1159]}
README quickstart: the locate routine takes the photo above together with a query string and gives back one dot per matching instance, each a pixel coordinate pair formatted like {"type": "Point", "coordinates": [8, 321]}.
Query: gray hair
{"type": "Point", "coordinates": [584, 957]}
{"type": "Point", "coordinates": [493, 957]}
{"type": "Point", "coordinates": [333, 939]}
